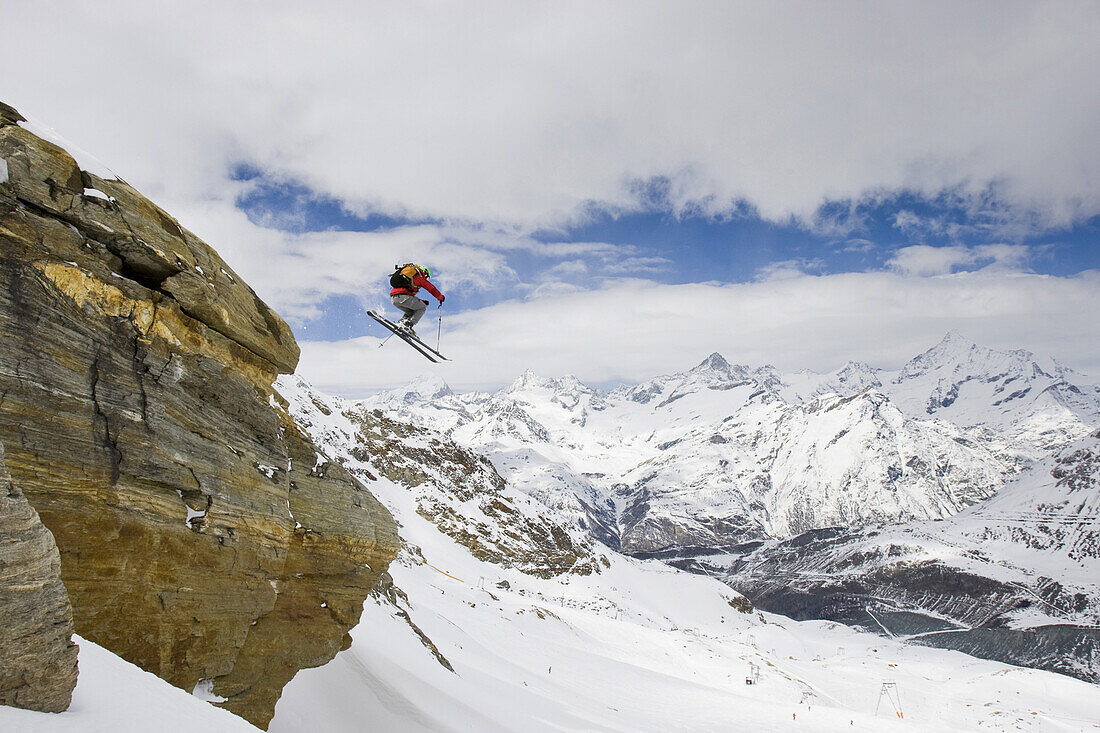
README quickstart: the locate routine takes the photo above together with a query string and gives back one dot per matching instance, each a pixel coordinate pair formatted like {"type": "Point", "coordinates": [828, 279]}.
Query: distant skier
{"type": "Point", "coordinates": [406, 280]}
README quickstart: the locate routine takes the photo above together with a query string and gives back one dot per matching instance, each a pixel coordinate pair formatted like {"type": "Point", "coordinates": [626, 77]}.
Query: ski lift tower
{"type": "Point", "coordinates": [889, 690]}
{"type": "Point", "coordinates": [753, 677]}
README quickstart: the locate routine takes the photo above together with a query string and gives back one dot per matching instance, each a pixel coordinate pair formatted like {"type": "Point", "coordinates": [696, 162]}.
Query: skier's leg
{"type": "Point", "coordinates": [419, 308]}
{"type": "Point", "coordinates": [399, 303]}
{"type": "Point", "coordinates": [412, 307]}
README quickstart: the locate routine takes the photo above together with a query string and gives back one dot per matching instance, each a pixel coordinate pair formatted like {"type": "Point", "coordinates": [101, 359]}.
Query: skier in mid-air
{"type": "Point", "coordinates": [406, 281]}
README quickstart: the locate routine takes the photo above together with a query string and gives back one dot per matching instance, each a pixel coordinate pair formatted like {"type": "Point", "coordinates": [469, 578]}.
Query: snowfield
{"type": "Point", "coordinates": [114, 696]}
{"type": "Point", "coordinates": [639, 647]}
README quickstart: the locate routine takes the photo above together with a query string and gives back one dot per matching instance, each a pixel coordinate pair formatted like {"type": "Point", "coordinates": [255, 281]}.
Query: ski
{"type": "Point", "coordinates": [392, 328]}
{"type": "Point", "coordinates": [422, 348]}
{"type": "Point", "coordinates": [429, 348]}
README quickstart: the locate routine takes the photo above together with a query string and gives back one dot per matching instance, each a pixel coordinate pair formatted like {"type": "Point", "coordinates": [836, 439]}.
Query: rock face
{"type": "Point", "coordinates": [199, 536]}
{"type": "Point", "coordinates": [37, 655]}
{"type": "Point", "coordinates": [455, 489]}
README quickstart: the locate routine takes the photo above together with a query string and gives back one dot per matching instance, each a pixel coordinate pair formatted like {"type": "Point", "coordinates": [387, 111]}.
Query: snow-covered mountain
{"type": "Point", "coordinates": [502, 614]}
{"type": "Point", "coordinates": [1036, 403]}
{"type": "Point", "coordinates": [752, 475]}
{"type": "Point", "coordinates": [725, 453]}
{"type": "Point", "coordinates": [484, 627]}
{"type": "Point", "coordinates": [1016, 577]}
{"type": "Point", "coordinates": [458, 489]}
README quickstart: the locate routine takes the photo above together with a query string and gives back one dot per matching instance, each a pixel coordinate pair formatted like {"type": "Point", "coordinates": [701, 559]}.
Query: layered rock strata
{"type": "Point", "coordinates": [37, 656]}
{"type": "Point", "coordinates": [136, 374]}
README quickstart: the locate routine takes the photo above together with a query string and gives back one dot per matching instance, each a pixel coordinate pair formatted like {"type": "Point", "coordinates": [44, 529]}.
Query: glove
{"type": "Point", "coordinates": [424, 302]}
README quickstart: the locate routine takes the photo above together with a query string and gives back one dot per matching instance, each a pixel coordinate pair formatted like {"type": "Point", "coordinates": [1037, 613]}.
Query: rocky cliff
{"type": "Point", "coordinates": [200, 535]}
{"type": "Point", "coordinates": [37, 655]}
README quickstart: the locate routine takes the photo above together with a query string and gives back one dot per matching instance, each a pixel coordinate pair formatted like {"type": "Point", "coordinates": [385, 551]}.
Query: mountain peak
{"type": "Point", "coordinates": [853, 368]}
{"type": "Point", "coordinates": [430, 386]}
{"type": "Point", "coordinates": [528, 380]}
{"type": "Point", "coordinates": [956, 352]}
{"type": "Point", "coordinates": [953, 343]}
{"type": "Point", "coordinates": [715, 362]}
{"type": "Point", "coordinates": [954, 337]}
{"type": "Point", "coordinates": [715, 367]}
{"type": "Point", "coordinates": [425, 388]}
{"type": "Point", "coordinates": [952, 351]}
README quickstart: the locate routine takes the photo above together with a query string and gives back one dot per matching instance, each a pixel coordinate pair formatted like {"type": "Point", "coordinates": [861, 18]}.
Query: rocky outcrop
{"type": "Point", "coordinates": [144, 244]}
{"type": "Point", "coordinates": [457, 490]}
{"type": "Point", "coordinates": [537, 545]}
{"type": "Point", "coordinates": [136, 374]}
{"type": "Point", "coordinates": [37, 655]}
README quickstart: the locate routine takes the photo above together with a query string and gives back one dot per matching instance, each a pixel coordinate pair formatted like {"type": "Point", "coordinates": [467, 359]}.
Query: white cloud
{"type": "Point", "coordinates": [924, 261]}
{"type": "Point", "coordinates": [622, 264]}
{"type": "Point", "coordinates": [525, 112]}
{"type": "Point", "coordinates": [858, 245]}
{"type": "Point", "coordinates": [295, 273]}
{"type": "Point", "coordinates": [1012, 256]}
{"type": "Point", "coordinates": [787, 269]}
{"type": "Point", "coordinates": [634, 329]}
{"type": "Point", "coordinates": [514, 116]}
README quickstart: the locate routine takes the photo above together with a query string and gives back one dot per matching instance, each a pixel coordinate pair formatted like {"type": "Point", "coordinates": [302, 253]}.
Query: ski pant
{"type": "Point", "coordinates": [412, 306]}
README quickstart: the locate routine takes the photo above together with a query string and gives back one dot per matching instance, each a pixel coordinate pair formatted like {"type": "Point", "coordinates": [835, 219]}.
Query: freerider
{"type": "Point", "coordinates": [406, 281]}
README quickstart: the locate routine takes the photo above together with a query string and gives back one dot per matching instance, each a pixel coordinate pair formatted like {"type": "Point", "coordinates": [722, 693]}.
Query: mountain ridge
{"type": "Point", "coordinates": [634, 446]}
{"type": "Point", "coordinates": [752, 476]}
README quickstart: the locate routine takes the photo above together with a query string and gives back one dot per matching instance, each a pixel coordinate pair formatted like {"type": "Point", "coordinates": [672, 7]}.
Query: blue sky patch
{"type": "Point", "coordinates": [659, 245]}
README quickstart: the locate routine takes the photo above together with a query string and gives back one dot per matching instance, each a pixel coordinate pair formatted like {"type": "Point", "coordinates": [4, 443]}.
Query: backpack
{"type": "Point", "coordinates": [399, 279]}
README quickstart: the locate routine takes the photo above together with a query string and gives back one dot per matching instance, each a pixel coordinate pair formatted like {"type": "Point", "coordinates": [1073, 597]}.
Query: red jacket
{"type": "Point", "coordinates": [418, 281]}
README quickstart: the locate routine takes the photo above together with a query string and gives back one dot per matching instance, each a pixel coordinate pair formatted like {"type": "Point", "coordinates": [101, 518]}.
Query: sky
{"type": "Point", "coordinates": [607, 189]}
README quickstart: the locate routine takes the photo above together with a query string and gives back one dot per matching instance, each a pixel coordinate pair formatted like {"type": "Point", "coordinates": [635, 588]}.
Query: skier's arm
{"type": "Point", "coordinates": [422, 282]}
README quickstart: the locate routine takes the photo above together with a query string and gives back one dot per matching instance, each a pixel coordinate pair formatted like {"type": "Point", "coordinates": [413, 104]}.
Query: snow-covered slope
{"type": "Point", "coordinates": [458, 489]}
{"type": "Point", "coordinates": [493, 631]}
{"type": "Point", "coordinates": [1036, 403]}
{"type": "Point", "coordinates": [724, 453]}
{"type": "Point", "coordinates": [469, 641]}
{"type": "Point", "coordinates": [1016, 577]}
{"type": "Point", "coordinates": [115, 696]}
{"type": "Point", "coordinates": [703, 467]}
{"type": "Point", "coordinates": [853, 377]}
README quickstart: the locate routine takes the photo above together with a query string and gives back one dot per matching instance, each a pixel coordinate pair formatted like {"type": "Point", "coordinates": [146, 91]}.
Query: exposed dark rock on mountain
{"type": "Point", "coordinates": [200, 536]}
{"type": "Point", "coordinates": [457, 490]}
{"type": "Point", "coordinates": [37, 655]}
{"type": "Point", "coordinates": [1012, 579]}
